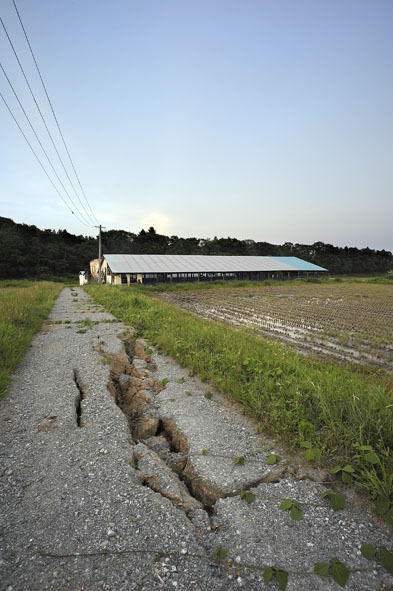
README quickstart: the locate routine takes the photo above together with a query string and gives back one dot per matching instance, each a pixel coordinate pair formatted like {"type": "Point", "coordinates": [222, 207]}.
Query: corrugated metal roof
{"type": "Point", "coordinates": [173, 263]}
{"type": "Point", "coordinates": [299, 264]}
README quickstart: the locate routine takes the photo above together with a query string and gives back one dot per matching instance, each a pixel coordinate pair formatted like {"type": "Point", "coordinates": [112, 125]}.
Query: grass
{"type": "Point", "coordinates": [215, 284]}
{"type": "Point", "coordinates": [386, 279]}
{"type": "Point", "coordinates": [23, 308]}
{"type": "Point", "coordinates": [86, 323]}
{"type": "Point", "coordinates": [294, 398]}
{"type": "Point", "coordinates": [68, 280]}
{"type": "Point", "coordinates": [15, 283]}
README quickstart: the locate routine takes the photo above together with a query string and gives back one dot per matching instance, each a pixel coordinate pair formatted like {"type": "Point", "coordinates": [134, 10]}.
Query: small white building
{"type": "Point", "coordinates": [83, 278]}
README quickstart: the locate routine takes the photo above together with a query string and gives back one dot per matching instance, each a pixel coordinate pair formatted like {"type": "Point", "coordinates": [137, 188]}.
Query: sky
{"type": "Point", "coordinates": [269, 120]}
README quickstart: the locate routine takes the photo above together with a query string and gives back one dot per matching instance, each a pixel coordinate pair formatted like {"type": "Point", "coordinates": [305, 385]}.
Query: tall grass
{"type": "Point", "coordinates": [292, 397]}
{"type": "Point", "coordinates": [225, 284]}
{"type": "Point", "coordinates": [228, 284]}
{"type": "Point", "coordinates": [23, 307]}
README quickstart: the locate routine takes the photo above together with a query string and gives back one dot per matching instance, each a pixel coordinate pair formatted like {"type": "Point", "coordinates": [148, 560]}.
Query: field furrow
{"type": "Point", "coordinates": [352, 322]}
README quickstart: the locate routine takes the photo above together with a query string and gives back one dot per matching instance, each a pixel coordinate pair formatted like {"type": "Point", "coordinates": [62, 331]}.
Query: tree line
{"type": "Point", "coordinates": [27, 251]}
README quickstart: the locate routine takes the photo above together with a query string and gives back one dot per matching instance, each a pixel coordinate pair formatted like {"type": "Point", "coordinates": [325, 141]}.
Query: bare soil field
{"type": "Point", "coordinates": [348, 322]}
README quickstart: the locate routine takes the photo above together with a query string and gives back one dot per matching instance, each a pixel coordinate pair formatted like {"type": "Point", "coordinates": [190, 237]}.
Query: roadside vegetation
{"type": "Point", "coordinates": [386, 279]}
{"type": "Point", "coordinates": [341, 417]}
{"type": "Point", "coordinates": [23, 307]}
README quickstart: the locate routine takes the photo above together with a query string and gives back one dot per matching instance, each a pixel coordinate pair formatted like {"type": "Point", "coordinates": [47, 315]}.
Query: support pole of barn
{"type": "Point", "coordinates": [99, 253]}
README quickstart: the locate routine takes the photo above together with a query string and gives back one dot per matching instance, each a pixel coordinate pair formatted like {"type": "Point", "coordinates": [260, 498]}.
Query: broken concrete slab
{"type": "Point", "coordinates": [155, 473]}
{"type": "Point", "coordinates": [226, 454]}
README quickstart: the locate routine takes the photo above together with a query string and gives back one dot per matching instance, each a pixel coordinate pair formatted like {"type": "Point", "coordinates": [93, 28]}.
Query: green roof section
{"type": "Point", "coordinates": [299, 264]}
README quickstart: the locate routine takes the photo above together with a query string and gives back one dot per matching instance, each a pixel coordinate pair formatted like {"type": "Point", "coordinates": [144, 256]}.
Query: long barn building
{"type": "Point", "coordinates": [120, 269]}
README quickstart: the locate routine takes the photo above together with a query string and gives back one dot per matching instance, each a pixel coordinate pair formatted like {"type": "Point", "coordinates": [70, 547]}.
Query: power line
{"type": "Point", "coordinates": [39, 161]}
{"type": "Point", "coordinates": [43, 119]}
{"type": "Point", "coordinates": [40, 143]}
{"type": "Point", "coordinates": [52, 109]}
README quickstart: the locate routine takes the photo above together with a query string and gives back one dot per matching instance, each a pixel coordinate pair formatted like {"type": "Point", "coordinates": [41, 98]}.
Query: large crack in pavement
{"type": "Point", "coordinates": [162, 456]}
{"type": "Point", "coordinates": [142, 496]}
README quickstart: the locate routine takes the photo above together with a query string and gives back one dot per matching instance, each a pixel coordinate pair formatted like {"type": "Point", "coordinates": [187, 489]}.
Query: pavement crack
{"type": "Point", "coordinates": [154, 472]}
{"type": "Point", "coordinates": [79, 397]}
{"type": "Point", "coordinates": [133, 388]}
{"type": "Point", "coordinates": [161, 455]}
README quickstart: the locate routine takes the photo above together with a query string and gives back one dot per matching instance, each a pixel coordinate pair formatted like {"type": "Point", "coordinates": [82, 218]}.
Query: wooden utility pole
{"type": "Point", "coordinates": [99, 252]}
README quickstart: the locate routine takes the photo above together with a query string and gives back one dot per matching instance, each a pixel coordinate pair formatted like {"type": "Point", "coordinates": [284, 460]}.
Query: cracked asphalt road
{"type": "Point", "coordinates": [76, 514]}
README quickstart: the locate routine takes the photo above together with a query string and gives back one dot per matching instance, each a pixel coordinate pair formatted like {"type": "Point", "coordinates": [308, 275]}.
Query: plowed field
{"type": "Point", "coordinates": [349, 322]}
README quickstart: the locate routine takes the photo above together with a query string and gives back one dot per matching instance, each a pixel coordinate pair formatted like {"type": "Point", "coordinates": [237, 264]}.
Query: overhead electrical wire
{"type": "Point", "coordinates": [40, 143]}
{"type": "Point", "coordinates": [44, 122]}
{"type": "Point", "coordinates": [53, 111]}
{"type": "Point", "coordinates": [39, 161]}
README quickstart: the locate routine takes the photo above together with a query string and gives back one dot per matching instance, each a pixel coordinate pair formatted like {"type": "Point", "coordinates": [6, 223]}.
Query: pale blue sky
{"type": "Point", "coordinates": [270, 120]}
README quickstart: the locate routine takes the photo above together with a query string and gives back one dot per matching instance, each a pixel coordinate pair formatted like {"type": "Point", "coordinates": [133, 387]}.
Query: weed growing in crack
{"type": "Point", "coordinates": [239, 461]}
{"type": "Point", "coordinates": [187, 393]}
{"type": "Point", "coordinates": [174, 466]}
{"type": "Point", "coordinates": [165, 381]}
{"type": "Point", "coordinates": [247, 496]}
{"type": "Point", "coordinates": [208, 394]}
{"type": "Point", "coordinates": [181, 380]}
{"type": "Point", "coordinates": [272, 459]}
{"type": "Point", "coordinates": [268, 447]}
{"type": "Point", "coordinates": [204, 452]}
{"type": "Point", "coordinates": [280, 575]}
{"type": "Point", "coordinates": [87, 323]}
{"type": "Point", "coordinates": [81, 331]}
{"type": "Point", "coordinates": [220, 553]}
{"type": "Point", "coordinates": [104, 361]}
{"type": "Point", "coordinates": [134, 462]}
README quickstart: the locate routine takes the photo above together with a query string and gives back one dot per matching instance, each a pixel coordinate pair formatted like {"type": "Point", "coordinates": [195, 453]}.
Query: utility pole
{"type": "Point", "coordinates": [99, 252]}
